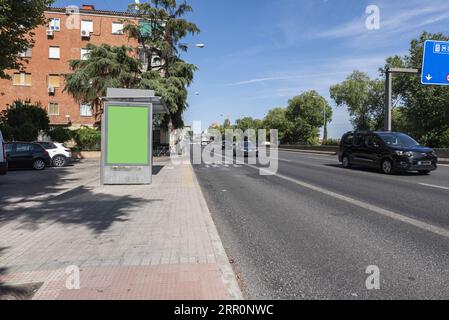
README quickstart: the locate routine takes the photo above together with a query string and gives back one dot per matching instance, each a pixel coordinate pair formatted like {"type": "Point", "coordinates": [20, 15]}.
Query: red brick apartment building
{"type": "Point", "coordinates": [64, 38]}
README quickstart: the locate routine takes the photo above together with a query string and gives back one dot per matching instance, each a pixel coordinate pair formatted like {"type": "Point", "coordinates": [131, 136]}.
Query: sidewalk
{"type": "Point", "coordinates": [129, 242]}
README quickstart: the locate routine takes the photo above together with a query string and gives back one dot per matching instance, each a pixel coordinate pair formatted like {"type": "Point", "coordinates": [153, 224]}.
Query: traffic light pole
{"type": "Point", "coordinates": [389, 92]}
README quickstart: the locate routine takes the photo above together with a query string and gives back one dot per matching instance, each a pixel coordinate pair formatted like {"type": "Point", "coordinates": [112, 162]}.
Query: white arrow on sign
{"type": "Point", "coordinates": [429, 77]}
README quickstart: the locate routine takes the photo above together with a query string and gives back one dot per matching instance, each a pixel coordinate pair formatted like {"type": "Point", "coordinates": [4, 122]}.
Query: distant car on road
{"type": "Point", "coordinates": [388, 151]}
{"type": "Point", "coordinates": [246, 149]}
{"type": "Point", "coordinates": [59, 154]}
{"type": "Point", "coordinates": [3, 162]}
{"type": "Point", "coordinates": [27, 155]}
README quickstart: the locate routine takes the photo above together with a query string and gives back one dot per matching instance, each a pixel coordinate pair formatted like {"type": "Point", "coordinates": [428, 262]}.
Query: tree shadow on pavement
{"type": "Point", "coordinates": [80, 206]}
{"type": "Point", "coordinates": [21, 184]}
{"type": "Point", "coordinates": [8, 292]}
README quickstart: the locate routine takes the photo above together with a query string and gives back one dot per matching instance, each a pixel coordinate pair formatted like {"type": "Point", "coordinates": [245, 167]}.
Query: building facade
{"type": "Point", "coordinates": [65, 38]}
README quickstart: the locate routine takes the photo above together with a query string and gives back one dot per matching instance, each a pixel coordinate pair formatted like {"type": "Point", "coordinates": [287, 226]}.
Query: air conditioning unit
{"type": "Point", "coordinates": [50, 33]}
{"type": "Point", "coordinates": [51, 90]}
{"type": "Point", "coordinates": [85, 34]}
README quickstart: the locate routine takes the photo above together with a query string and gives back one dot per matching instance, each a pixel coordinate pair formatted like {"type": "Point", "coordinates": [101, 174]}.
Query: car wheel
{"type": "Point", "coordinates": [387, 166]}
{"type": "Point", "coordinates": [423, 172]}
{"type": "Point", "coordinates": [345, 162]}
{"type": "Point", "coordinates": [39, 164]}
{"type": "Point", "coordinates": [59, 161]}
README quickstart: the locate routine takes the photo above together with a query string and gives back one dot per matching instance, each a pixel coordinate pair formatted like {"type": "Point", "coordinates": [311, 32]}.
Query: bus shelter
{"type": "Point", "coordinates": [127, 136]}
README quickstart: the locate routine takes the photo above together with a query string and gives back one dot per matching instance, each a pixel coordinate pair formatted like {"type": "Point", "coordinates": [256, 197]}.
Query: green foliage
{"type": "Point", "coordinates": [425, 109]}
{"type": "Point", "coordinates": [419, 110]}
{"type": "Point", "coordinates": [306, 113]}
{"type": "Point", "coordinates": [87, 138]}
{"type": "Point", "coordinates": [60, 134]}
{"type": "Point", "coordinates": [17, 21]}
{"type": "Point", "coordinates": [276, 119]}
{"type": "Point", "coordinates": [23, 121]}
{"type": "Point", "coordinates": [106, 67]}
{"type": "Point", "coordinates": [331, 142]}
{"type": "Point", "coordinates": [248, 123]}
{"type": "Point", "coordinates": [363, 97]}
{"type": "Point", "coordinates": [159, 32]}
{"type": "Point", "coordinates": [171, 77]}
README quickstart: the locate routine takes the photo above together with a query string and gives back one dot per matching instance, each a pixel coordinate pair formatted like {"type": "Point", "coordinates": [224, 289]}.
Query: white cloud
{"type": "Point", "coordinates": [396, 20]}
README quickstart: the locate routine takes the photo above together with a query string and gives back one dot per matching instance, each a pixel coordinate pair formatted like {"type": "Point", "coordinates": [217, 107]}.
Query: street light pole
{"type": "Point", "coordinates": [389, 92]}
{"type": "Point", "coordinates": [325, 124]}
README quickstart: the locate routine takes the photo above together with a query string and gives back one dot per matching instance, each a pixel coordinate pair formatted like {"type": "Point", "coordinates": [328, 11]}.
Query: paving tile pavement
{"type": "Point", "coordinates": [129, 242]}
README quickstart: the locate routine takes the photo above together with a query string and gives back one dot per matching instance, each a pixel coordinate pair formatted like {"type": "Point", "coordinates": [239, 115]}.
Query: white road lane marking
{"type": "Point", "coordinates": [311, 156]}
{"type": "Point", "coordinates": [384, 212]}
{"type": "Point", "coordinates": [434, 186]}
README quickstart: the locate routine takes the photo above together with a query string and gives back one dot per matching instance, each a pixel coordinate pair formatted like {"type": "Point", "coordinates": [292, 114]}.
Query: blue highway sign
{"type": "Point", "coordinates": [435, 68]}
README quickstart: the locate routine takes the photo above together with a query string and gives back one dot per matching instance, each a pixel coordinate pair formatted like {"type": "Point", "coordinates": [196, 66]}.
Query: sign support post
{"type": "Point", "coordinates": [389, 92]}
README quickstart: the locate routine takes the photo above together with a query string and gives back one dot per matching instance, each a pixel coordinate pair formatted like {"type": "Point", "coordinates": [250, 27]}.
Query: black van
{"type": "Point", "coordinates": [388, 151]}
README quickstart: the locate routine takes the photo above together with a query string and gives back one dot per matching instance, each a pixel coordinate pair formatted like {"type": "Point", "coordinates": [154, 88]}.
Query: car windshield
{"type": "Point", "coordinates": [398, 140]}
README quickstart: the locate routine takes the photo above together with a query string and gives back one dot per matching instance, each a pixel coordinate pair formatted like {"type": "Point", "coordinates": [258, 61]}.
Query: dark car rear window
{"type": "Point", "coordinates": [23, 147]}
{"type": "Point", "coordinates": [8, 148]}
{"type": "Point", "coordinates": [37, 148]}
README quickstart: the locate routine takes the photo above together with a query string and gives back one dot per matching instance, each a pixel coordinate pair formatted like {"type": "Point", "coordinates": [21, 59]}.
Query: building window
{"type": "Point", "coordinates": [55, 24]}
{"type": "Point", "coordinates": [53, 109]}
{"type": "Point", "coordinates": [28, 53]}
{"type": "Point", "coordinates": [87, 25]}
{"type": "Point", "coordinates": [54, 81]}
{"type": "Point", "coordinates": [21, 79]}
{"type": "Point", "coordinates": [54, 53]}
{"type": "Point", "coordinates": [85, 54]}
{"type": "Point", "coordinates": [85, 110]}
{"type": "Point", "coordinates": [117, 28]}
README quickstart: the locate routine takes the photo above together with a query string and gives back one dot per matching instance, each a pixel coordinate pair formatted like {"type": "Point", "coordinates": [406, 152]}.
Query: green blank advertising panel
{"type": "Point", "coordinates": [127, 135]}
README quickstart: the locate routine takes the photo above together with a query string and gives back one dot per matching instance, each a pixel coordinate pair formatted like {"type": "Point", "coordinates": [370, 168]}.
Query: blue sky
{"type": "Point", "coordinates": [260, 53]}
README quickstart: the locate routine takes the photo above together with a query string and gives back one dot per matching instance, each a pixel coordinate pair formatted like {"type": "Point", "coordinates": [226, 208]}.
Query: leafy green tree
{"type": "Point", "coordinates": [306, 112]}
{"type": "Point", "coordinates": [425, 109]}
{"type": "Point", "coordinates": [159, 33]}
{"type": "Point", "coordinates": [363, 97]}
{"type": "Point", "coordinates": [23, 121]}
{"type": "Point", "coordinates": [226, 124]}
{"type": "Point", "coordinates": [246, 123]}
{"type": "Point", "coordinates": [60, 134]}
{"type": "Point", "coordinates": [87, 138]}
{"type": "Point", "coordinates": [276, 119]}
{"type": "Point", "coordinates": [106, 67]}
{"type": "Point", "coordinates": [18, 19]}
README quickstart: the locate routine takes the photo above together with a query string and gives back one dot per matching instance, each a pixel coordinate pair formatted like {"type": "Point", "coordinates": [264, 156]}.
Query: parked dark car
{"type": "Point", "coordinates": [388, 151]}
{"type": "Point", "coordinates": [27, 155]}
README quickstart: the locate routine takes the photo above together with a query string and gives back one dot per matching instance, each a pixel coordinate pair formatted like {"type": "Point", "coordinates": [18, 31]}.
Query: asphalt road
{"type": "Point", "coordinates": [311, 231]}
